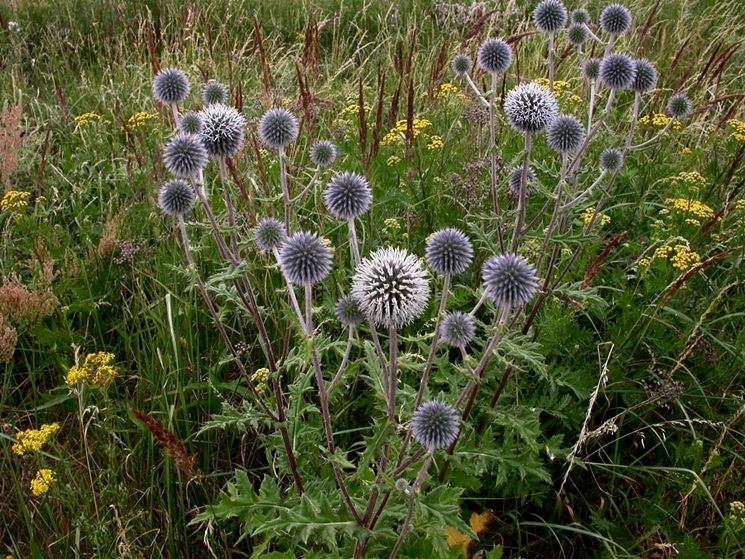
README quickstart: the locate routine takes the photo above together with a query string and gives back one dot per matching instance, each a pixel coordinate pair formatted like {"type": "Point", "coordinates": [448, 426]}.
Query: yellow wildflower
{"type": "Point", "coordinates": [691, 221]}
{"type": "Point", "coordinates": [738, 130]}
{"type": "Point", "coordinates": [351, 110]}
{"type": "Point", "coordinates": [393, 160]}
{"type": "Point", "coordinates": [44, 479]}
{"type": "Point", "coordinates": [560, 86]}
{"type": "Point", "coordinates": [87, 118]}
{"type": "Point", "coordinates": [686, 151]}
{"type": "Point", "coordinates": [398, 133]}
{"type": "Point", "coordinates": [435, 142]}
{"type": "Point", "coordinates": [737, 515]}
{"type": "Point", "coordinates": [32, 440]}
{"type": "Point", "coordinates": [97, 369]}
{"type": "Point", "coordinates": [448, 90]}
{"type": "Point", "coordinates": [588, 216]}
{"type": "Point", "coordinates": [138, 119]}
{"type": "Point", "coordinates": [684, 258]}
{"type": "Point", "coordinates": [261, 379]}
{"type": "Point", "coordinates": [14, 200]}
{"type": "Point", "coordinates": [694, 207]}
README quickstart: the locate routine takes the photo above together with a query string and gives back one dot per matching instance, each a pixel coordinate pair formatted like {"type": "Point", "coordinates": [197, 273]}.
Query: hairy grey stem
{"type": "Point", "coordinates": [285, 187]}
{"type": "Point", "coordinates": [520, 218]}
{"type": "Point", "coordinates": [653, 139]}
{"type": "Point", "coordinates": [354, 243]}
{"type": "Point", "coordinates": [609, 45]}
{"type": "Point", "coordinates": [410, 506]}
{"type": "Point", "coordinates": [493, 147]}
{"type": "Point", "coordinates": [435, 341]}
{"type": "Point", "coordinates": [585, 193]}
{"type": "Point", "coordinates": [634, 117]}
{"type": "Point", "coordinates": [344, 360]}
{"type": "Point", "coordinates": [611, 99]}
{"type": "Point", "coordinates": [589, 31]}
{"type": "Point", "coordinates": [479, 303]}
{"type": "Point", "coordinates": [551, 69]}
{"type": "Point", "coordinates": [310, 185]}
{"type": "Point", "coordinates": [555, 213]}
{"type": "Point", "coordinates": [591, 105]}
{"type": "Point", "coordinates": [393, 378]}
{"type": "Point", "coordinates": [175, 115]}
{"type": "Point", "coordinates": [293, 299]}
{"type": "Point", "coordinates": [476, 91]}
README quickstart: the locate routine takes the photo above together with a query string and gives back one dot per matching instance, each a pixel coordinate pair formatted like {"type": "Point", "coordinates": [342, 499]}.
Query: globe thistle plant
{"type": "Point", "coordinates": [170, 86]}
{"type": "Point", "coordinates": [449, 252]}
{"type": "Point", "coordinates": [435, 425]}
{"type": "Point", "coordinates": [458, 329]}
{"type": "Point", "coordinates": [679, 105]}
{"type": "Point", "coordinates": [347, 196]}
{"type": "Point", "coordinates": [611, 160]}
{"type": "Point", "coordinates": [580, 16]}
{"type": "Point", "coordinates": [461, 64]}
{"type": "Point", "coordinates": [565, 134]}
{"type": "Point", "coordinates": [269, 234]}
{"type": "Point", "coordinates": [577, 34]}
{"type": "Point", "coordinates": [278, 128]}
{"type": "Point", "coordinates": [617, 71]}
{"type": "Point", "coordinates": [323, 153]}
{"type": "Point", "coordinates": [305, 258]}
{"type": "Point", "coordinates": [615, 19]}
{"type": "Point", "coordinates": [185, 156]}
{"type": "Point", "coordinates": [347, 311]}
{"type": "Point", "coordinates": [509, 280]}
{"type": "Point", "coordinates": [391, 287]}
{"type": "Point", "coordinates": [176, 198]}
{"type": "Point", "coordinates": [190, 123]}
{"type": "Point", "coordinates": [494, 56]}
{"type": "Point", "coordinates": [530, 108]}
{"type": "Point", "coordinates": [645, 76]}
{"type": "Point", "coordinates": [514, 178]}
{"type": "Point", "coordinates": [214, 92]}
{"type": "Point", "coordinates": [223, 130]}
{"type": "Point", "coordinates": [550, 16]}
{"type": "Point", "coordinates": [591, 69]}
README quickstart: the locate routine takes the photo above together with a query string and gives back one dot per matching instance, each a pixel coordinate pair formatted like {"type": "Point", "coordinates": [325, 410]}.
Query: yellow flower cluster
{"type": "Point", "coordinates": [659, 120]}
{"type": "Point", "coordinates": [393, 160]}
{"type": "Point", "coordinates": [87, 118]}
{"type": "Point", "coordinates": [691, 178]}
{"type": "Point", "coordinates": [350, 110]}
{"type": "Point", "coordinates": [32, 440]}
{"type": "Point", "coordinates": [14, 200]}
{"type": "Point", "coordinates": [449, 90]}
{"type": "Point", "coordinates": [686, 151]}
{"type": "Point", "coordinates": [737, 514]}
{"type": "Point", "coordinates": [44, 479]}
{"type": "Point", "coordinates": [589, 214]}
{"type": "Point", "coordinates": [681, 256]}
{"type": "Point", "coordinates": [574, 100]}
{"type": "Point", "coordinates": [397, 134]}
{"type": "Point", "coordinates": [138, 119]}
{"type": "Point", "coordinates": [97, 369]}
{"type": "Point", "coordinates": [435, 142]}
{"type": "Point", "coordinates": [738, 130]}
{"type": "Point", "coordinates": [260, 379]}
{"type": "Point", "coordinates": [694, 207]}
{"type": "Point", "coordinates": [560, 86]}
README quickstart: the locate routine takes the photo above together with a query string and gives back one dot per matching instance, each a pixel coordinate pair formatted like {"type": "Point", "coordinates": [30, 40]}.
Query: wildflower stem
{"type": "Point", "coordinates": [285, 188]}
{"type": "Point", "coordinates": [520, 218]}
{"type": "Point", "coordinates": [476, 91]}
{"type": "Point", "coordinates": [410, 507]}
{"type": "Point", "coordinates": [589, 31]}
{"type": "Point", "coordinates": [309, 309]}
{"type": "Point", "coordinates": [435, 341]}
{"type": "Point", "coordinates": [634, 117]}
{"type": "Point", "coordinates": [653, 139]}
{"type": "Point", "coordinates": [174, 115]}
{"type": "Point", "coordinates": [493, 151]}
{"type": "Point", "coordinates": [310, 185]}
{"type": "Point", "coordinates": [393, 378]}
{"type": "Point", "coordinates": [86, 449]}
{"type": "Point", "coordinates": [586, 192]}
{"type": "Point", "coordinates": [555, 213]}
{"type": "Point", "coordinates": [293, 299]}
{"type": "Point", "coordinates": [611, 99]}
{"type": "Point", "coordinates": [354, 243]}
{"type": "Point", "coordinates": [609, 44]}
{"type": "Point", "coordinates": [551, 61]}
{"type": "Point", "coordinates": [591, 105]}
{"type": "Point", "coordinates": [344, 360]}
{"type": "Point", "coordinates": [479, 303]}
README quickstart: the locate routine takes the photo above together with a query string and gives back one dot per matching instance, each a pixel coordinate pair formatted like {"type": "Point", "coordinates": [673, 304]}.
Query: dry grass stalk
{"type": "Point", "coordinates": [11, 140]}
{"type": "Point", "coordinates": [170, 444]}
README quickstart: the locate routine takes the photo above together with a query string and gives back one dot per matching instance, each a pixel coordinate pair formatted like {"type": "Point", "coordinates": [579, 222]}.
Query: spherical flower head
{"type": "Point", "coordinates": [611, 160]}
{"type": "Point", "coordinates": [530, 108]}
{"type": "Point", "coordinates": [679, 105]}
{"type": "Point", "coordinates": [170, 86]}
{"type": "Point", "coordinates": [550, 16]}
{"type": "Point", "coordinates": [577, 34]}
{"type": "Point", "coordinates": [449, 252]}
{"type": "Point", "coordinates": [515, 178]}
{"type": "Point", "coordinates": [615, 19]}
{"type": "Point", "coordinates": [461, 64]}
{"type": "Point", "coordinates": [269, 234]}
{"type": "Point", "coordinates": [176, 198]}
{"type": "Point", "coordinates": [223, 129]}
{"type": "Point", "coordinates": [580, 15]}
{"type": "Point", "coordinates": [645, 76]}
{"type": "Point", "coordinates": [391, 287]}
{"type": "Point", "coordinates": [565, 134]}
{"type": "Point", "coordinates": [509, 280]}
{"type": "Point", "coordinates": [185, 155]}
{"type": "Point", "coordinates": [305, 258]}
{"type": "Point", "coordinates": [435, 425]}
{"type": "Point", "coordinates": [278, 128]}
{"type": "Point", "coordinates": [348, 312]}
{"type": "Point", "coordinates": [347, 196]}
{"type": "Point", "coordinates": [323, 153]}
{"type": "Point", "coordinates": [458, 329]}
{"type": "Point", "coordinates": [494, 56]}
{"type": "Point", "coordinates": [591, 69]}
{"type": "Point", "coordinates": [190, 123]}
{"type": "Point", "coordinates": [214, 92]}
{"type": "Point", "coordinates": [617, 71]}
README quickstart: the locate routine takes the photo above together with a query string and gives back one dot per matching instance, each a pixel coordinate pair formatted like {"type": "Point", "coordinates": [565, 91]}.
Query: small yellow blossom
{"type": "Point", "coordinates": [738, 130]}
{"type": "Point", "coordinates": [138, 119]}
{"type": "Point", "coordinates": [397, 134]}
{"type": "Point", "coordinates": [560, 86]}
{"type": "Point", "coordinates": [588, 216]}
{"type": "Point", "coordinates": [694, 222]}
{"type": "Point", "coordinates": [686, 151]}
{"type": "Point", "coordinates": [261, 380]}
{"type": "Point", "coordinates": [737, 515]}
{"type": "Point", "coordinates": [351, 110]}
{"type": "Point", "coordinates": [435, 142]}
{"type": "Point", "coordinates": [691, 178]}
{"type": "Point", "coordinates": [87, 118]}
{"type": "Point", "coordinates": [684, 258]}
{"type": "Point", "coordinates": [449, 90]}
{"type": "Point", "coordinates": [97, 370]}
{"type": "Point", "coordinates": [574, 100]}
{"type": "Point", "coordinates": [694, 207]}
{"type": "Point", "coordinates": [14, 200]}
{"type": "Point", "coordinates": [44, 479]}
{"type": "Point", "coordinates": [643, 263]}
{"type": "Point", "coordinates": [32, 440]}
{"type": "Point", "coordinates": [393, 160]}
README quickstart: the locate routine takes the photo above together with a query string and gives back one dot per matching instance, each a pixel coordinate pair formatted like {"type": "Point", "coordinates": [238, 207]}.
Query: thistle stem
{"type": "Point", "coordinates": [435, 341]}
{"type": "Point", "coordinates": [653, 139]}
{"type": "Point", "coordinates": [310, 185]}
{"type": "Point", "coordinates": [175, 115]}
{"type": "Point", "coordinates": [634, 117]}
{"type": "Point", "coordinates": [476, 91]}
{"type": "Point", "coordinates": [479, 303]}
{"type": "Point", "coordinates": [587, 191]}
{"type": "Point", "coordinates": [611, 99]}
{"type": "Point", "coordinates": [410, 506]}
{"type": "Point", "coordinates": [591, 105]}
{"type": "Point", "coordinates": [589, 31]}
{"type": "Point", "coordinates": [285, 188]}
{"type": "Point", "coordinates": [520, 218]}
{"type": "Point", "coordinates": [551, 69]}
{"type": "Point", "coordinates": [344, 361]}
{"type": "Point", "coordinates": [393, 378]}
{"type": "Point", "coordinates": [493, 150]}
{"type": "Point", "coordinates": [293, 300]}
{"type": "Point", "coordinates": [354, 243]}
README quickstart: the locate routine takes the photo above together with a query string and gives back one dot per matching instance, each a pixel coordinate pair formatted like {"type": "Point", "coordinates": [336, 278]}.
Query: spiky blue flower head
{"type": "Point", "coordinates": [617, 71]}
{"type": "Point", "coordinates": [278, 128]}
{"type": "Point", "coordinates": [435, 425]}
{"type": "Point", "coordinates": [591, 69]}
{"type": "Point", "coordinates": [679, 105]}
{"type": "Point", "coordinates": [645, 76]}
{"type": "Point", "coordinates": [323, 153]}
{"type": "Point", "coordinates": [550, 16]}
{"type": "Point", "coordinates": [494, 56]}
{"type": "Point", "coordinates": [530, 107]}
{"type": "Point", "coordinates": [347, 311]}
{"type": "Point", "coordinates": [449, 252]}
{"type": "Point", "coordinates": [515, 178]}
{"type": "Point", "coordinates": [347, 196]}
{"type": "Point", "coordinates": [565, 134]}
{"type": "Point", "coordinates": [577, 34]}
{"type": "Point", "coordinates": [305, 258]}
{"type": "Point", "coordinates": [458, 329]}
{"type": "Point", "coordinates": [223, 130]}
{"type": "Point", "coordinates": [185, 155]}
{"type": "Point", "coordinates": [391, 287]}
{"type": "Point", "coordinates": [214, 92]}
{"type": "Point", "coordinates": [580, 15]}
{"type": "Point", "coordinates": [461, 64]}
{"type": "Point", "coordinates": [176, 198]}
{"type": "Point", "coordinates": [269, 234]}
{"type": "Point", "coordinates": [190, 123]}
{"type": "Point", "coordinates": [615, 19]}
{"type": "Point", "coordinates": [509, 280]}
{"type": "Point", "coordinates": [170, 86]}
{"type": "Point", "coordinates": [611, 160]}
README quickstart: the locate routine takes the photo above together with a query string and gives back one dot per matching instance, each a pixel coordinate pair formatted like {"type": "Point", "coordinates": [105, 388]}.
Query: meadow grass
{"type": "Point", "coordinates": [661, 461]}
